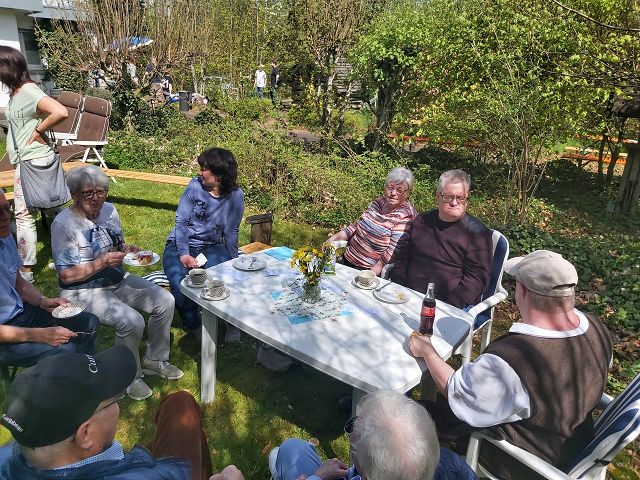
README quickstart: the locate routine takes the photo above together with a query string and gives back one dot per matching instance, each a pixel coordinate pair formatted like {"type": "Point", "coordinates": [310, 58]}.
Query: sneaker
{"type": "Point", "coordinates": [162, 368]}
{"type": "Point", "coordinates": [138, 390]}
{"type": "Point", "coordinates": [233, 334]}
{"type": "Point", "coordinates": [273, 456]}
{"type": "Point", "coordinates": [28, 276]}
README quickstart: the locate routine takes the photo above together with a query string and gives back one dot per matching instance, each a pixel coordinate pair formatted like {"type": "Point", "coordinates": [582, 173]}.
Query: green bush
{"type": "Point", "coordinates": [247, 108]}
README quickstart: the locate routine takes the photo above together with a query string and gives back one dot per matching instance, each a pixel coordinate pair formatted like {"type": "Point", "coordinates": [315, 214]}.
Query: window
{"type": "Point", "coordinates": [30, 45]}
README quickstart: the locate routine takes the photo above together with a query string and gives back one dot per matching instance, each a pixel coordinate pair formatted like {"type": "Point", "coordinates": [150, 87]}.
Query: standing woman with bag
{"type": "Point", "coordinates": [30, 114]}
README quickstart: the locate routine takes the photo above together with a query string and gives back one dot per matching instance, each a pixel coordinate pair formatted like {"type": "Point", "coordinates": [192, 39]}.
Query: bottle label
{"type": "Point", "coordinates": [428, 311]}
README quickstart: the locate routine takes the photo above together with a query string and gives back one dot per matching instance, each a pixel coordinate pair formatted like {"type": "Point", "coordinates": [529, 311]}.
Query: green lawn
{"type": "Point", "coordinates": [254, 408]}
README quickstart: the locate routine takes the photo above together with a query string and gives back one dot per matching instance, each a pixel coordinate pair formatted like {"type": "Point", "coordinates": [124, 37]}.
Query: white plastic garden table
{"type": "Point", "coordinates": [366, 349]}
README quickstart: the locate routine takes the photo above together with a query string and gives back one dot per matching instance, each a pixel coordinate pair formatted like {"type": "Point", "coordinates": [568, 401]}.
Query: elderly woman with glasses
{"type": "Point", "coordinates": [88, 249]}
{"type": "Point", "coordinates": [374, 237]}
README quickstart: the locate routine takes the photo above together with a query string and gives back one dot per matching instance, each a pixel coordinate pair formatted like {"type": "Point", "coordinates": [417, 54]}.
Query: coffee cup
{"type": "Point", "coordinates": [366, 278]}
{"type": "Point", "coordinates": [198, 276]}
{"type": "Point", "coordinates": [215, 287]}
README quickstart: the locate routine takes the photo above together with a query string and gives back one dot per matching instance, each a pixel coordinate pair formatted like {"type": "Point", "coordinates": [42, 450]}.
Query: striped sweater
{"type": "Point", "coordinates": [375, 235]}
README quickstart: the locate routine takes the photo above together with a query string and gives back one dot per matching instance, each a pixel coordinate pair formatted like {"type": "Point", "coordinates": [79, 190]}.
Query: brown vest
{"type": "Point", "coordinates": [565, 379]}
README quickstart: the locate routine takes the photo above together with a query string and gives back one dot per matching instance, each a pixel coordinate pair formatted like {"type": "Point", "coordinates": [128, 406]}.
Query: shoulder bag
{"type": "Point", "coordinates": [42, 187]}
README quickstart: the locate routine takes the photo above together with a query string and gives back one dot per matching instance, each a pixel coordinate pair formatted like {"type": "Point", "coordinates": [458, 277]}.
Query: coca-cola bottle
{"type": "Point", "coordinates": [428, 312]}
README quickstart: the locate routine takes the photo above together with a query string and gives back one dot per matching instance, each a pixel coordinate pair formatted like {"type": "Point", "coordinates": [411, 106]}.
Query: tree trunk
{"type": "Point", "coordinates": [615, 153]}
{"type": "Point", "coordinates": [600, 160]}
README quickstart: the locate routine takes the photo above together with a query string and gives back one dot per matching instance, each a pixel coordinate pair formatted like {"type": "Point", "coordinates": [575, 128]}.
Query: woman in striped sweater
{"type": "Point", "coordinates": [374, 237]}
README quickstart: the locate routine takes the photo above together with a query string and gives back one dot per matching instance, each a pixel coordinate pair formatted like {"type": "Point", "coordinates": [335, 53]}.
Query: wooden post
{"type": "Point", "coordinates": [629, 192]}
{"type": "Point", "coordinates": [261, 227]}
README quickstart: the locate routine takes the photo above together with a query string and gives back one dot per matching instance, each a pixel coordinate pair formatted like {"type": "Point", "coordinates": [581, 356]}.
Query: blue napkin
{"type": "Point", "coordinates": [280, 253]}
{"type": "Point", "coordinates": [298, 319]}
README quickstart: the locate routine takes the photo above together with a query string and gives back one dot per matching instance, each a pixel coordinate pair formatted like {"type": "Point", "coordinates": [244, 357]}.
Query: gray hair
{"type": "Point", "coordinates": [454, 176]}
{"type": "Point", "coordinates": [394, 438]}
{"type": "Point", "coordinates": [86, 176]}
{"type": "Point", "coordinates": [400, 175]}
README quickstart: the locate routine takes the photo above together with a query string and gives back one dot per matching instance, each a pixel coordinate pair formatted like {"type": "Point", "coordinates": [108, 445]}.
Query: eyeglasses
{"type": "Point", "coordinates": [451, 198]}
{"type": "Point", "coordinates": [348, 427]}
{"type": "Point", "coordinates": [89, 194]}
{"type": "Point", "coordinates": [399, 191]}
{"type": "Point", "coordinates": [104, 407]}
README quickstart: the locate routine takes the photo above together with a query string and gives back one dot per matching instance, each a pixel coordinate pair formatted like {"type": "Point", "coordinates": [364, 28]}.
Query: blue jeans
{"type": "Point", "coordinates": [175, 272]}
{"type": "Point", "coordinates": [26, 354]}
{"type": "Point", "coordinates": [296, 457]}
{"type": "Point", "coordinates": [259, 92]}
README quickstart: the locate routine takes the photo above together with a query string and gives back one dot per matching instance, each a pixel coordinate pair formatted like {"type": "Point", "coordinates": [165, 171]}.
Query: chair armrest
{"type": "Point", "coordinates": [65, 136]}
{"type": "Point", "coordinates": [386, 270]}
{"type": "Point", "coordinates": [90, 143]}
{"type": "Point", "coordinates": [489, 302]}
{"type": "Point", "coordinates": [526, 458]}
{"type": "Point", "coordinates": [605, 400]}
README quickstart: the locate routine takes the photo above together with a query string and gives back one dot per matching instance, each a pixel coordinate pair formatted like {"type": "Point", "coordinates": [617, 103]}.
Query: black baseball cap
{"type": "Point", "coordinates": [49, 401]}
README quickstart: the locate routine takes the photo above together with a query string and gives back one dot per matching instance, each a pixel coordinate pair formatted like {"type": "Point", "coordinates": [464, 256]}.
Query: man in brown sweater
{"type": "Point", "coordinates": [446, 246]}
{"type": "Point", "coordinates": [537, 385]}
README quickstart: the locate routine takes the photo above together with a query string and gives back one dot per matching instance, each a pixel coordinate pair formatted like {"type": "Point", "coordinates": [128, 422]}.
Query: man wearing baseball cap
{"type": "Point", "coordinates": [63, 415]}
{"type": "Point", "coordinates": [537, 385]}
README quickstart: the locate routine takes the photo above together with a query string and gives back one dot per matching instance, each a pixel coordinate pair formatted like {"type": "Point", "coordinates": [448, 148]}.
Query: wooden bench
{"type": "Point", "coordinates": [590, 155]}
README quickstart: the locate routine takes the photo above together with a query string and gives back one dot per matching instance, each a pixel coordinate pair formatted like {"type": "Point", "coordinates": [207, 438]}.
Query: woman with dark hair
{"type": "Point", "coordinates": [30, 114]}
{"type": "Point", "coordinates": [207, 222]}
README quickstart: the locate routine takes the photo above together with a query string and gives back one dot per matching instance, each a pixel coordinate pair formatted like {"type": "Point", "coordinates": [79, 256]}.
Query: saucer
{"type": "Point", "coordinates": [224, 295]}
{"type": "Point", "coordinates": [131, 259]}
{"type": "Point", "coordinates": [249, 263]}
{"type": "Point", "coordinates": [187, 280]}
{"type": "Point", "coordinates": [376, 282]}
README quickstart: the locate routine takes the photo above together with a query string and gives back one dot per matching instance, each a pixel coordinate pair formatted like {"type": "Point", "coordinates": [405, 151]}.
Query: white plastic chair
{"type": "Point", "coordinates": [480, 316]}
{"type": "Point", "coordinates": [616, 427]}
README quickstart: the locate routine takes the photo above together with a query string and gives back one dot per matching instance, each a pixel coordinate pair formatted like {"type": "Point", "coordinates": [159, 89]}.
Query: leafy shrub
{"type": "Point", "coordinates": [247, 108]}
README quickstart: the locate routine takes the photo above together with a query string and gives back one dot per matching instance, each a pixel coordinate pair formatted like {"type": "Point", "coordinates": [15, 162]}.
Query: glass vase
{"type": "Point", "coordinates": [311, 292]}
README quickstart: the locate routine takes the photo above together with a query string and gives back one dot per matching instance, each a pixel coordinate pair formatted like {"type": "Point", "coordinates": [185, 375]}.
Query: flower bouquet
{"type": "Point", "coordinates": [313, 262]}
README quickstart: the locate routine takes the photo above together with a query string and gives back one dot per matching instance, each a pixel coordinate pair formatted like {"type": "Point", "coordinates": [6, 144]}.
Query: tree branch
{"type": "Point", "coordinates": [587, 17]}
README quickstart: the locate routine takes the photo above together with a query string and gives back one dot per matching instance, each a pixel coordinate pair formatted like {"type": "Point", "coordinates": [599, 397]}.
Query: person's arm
{"type": "Point", "coordinates": [340, 236]}
{"type": "Point", "coordinates": [399, 227]}
{"type": "Point", "coordinates": [232, 224]}
{"type": "Point", "coordinates": [401, 253]}
{"type": "Point", "coordinates": [55, 113]}
{"type": "Point", "coordinates": [331, 469]}
{"type": "Point", "coordinates": [83, 271]}
{"type": "Point", "coordinates": [441, 371]}
{"type": "Point", "coordinates": [183, 216]}
{"type": "Point", "coordinates": [476, 269]}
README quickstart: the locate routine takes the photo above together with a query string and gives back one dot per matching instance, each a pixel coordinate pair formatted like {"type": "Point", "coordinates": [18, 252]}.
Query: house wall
{"type": "Point", "coordinates": [8, 36]}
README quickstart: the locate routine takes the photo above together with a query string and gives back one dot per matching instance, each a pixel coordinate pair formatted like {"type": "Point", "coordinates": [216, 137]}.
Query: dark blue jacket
{"type": "Point", "coordinates": [136, 465]}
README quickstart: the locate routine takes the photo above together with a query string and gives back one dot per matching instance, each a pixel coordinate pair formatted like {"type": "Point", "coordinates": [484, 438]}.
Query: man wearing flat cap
{"type": "Point", "coordinates": [537, 385]}
{"type": "Point", "coordinates": [63, 415]}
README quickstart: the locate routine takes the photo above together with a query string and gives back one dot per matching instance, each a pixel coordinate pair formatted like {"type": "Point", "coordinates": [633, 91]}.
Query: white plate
{"type": "Point", "coordinates": [392, 294]}
{"type": "Point", "coordinates": [224, 295]}
{"type": "Point", "coordinates": [249, 263]}
{"type": "Point", "coordinates": [187, 280]}
{"type": "Point", "coordinates": [130, 259]}
{"type": "Point", "coordinates": [376, 282]}
{"type": "Point", "coordinates": [69, 310]}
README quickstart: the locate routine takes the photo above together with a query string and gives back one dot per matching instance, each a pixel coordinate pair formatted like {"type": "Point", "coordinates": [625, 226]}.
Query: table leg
{"type": "Point", "coordinates": [355, 400]}
{"type": "Point", "coordinates": [208, 356]}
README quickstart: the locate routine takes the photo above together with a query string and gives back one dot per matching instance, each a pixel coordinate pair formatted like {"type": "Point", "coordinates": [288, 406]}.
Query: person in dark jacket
{"type": "Point", "coordinates": [537, 385]}
{"type": "Point", "coordinates": [446, 246]}
{"type": "Point", "coordinates": [63, 415]}
{"type": "Point", "coordinates": [393, 438]}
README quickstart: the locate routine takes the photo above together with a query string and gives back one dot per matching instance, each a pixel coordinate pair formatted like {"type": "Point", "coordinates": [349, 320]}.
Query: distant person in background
{"type": "Point", "coordinates": [30, 114]}
{"type": "Point", "coordinates": [260, 81]}
{"type": "Point", "coordinates": [167, 86]}
{"type": "Point", "coordinates": [274, 78]}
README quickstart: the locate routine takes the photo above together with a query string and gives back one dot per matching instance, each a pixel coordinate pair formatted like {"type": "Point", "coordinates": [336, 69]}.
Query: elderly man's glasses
{"type": "Point", "coordinates": [89, 194]}
{"type": "Point", "coordinates": [116, 400]}
{"type": "Point", "coordinates": [451, 198]}
{"type": "Point", "coordinates": [348, 427]}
